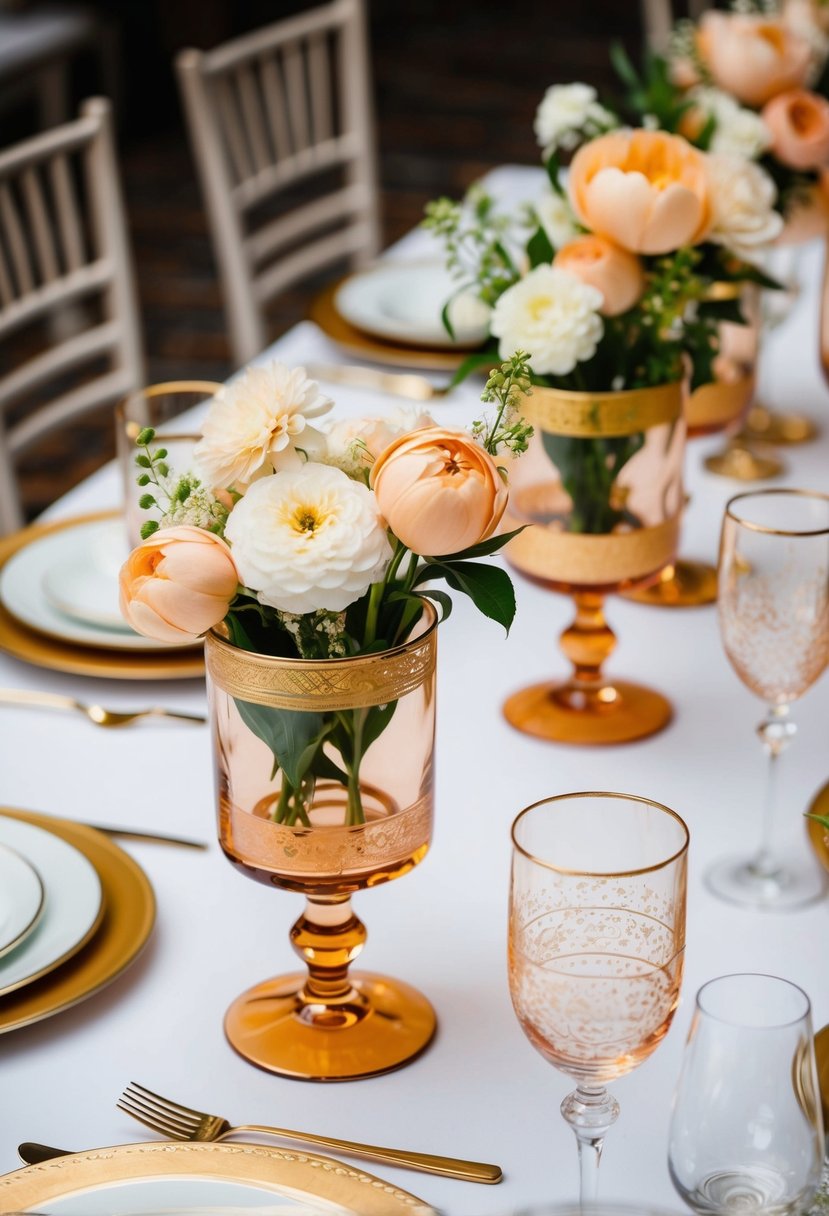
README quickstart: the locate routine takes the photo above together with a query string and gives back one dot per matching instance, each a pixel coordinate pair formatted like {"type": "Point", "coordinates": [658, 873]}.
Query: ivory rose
{"type": "Point", "coordinates": [177, 584]}
{"type": "Point", "coordinates": [799, 126]}
{"type": "Point", "coordinates": [645, 190]}
{"type": "Point", "coordinates": [438, 491]}
{"type": "Point", "coordinates": [752, 56]}
{"type": "Point", "coordinates": [617, 274]}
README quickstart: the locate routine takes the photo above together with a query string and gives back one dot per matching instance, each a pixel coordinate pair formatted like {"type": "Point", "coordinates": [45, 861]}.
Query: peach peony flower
{"type": "Point", "coordinates": [617, 274]}
{"type": "Point", "coordinates": [752, 56]}
{"type": "Point", "coordinates": [177, 584]}
{"type": "Point", "coordinates": [645, 190]}
{"type": "Point", "coordinates": [439, 491]}
{"type": "Point", "coordinates": [799, 125]}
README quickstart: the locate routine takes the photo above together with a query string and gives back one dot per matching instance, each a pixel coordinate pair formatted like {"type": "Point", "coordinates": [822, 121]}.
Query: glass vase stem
{"type": "Point", "coordinates": [590, 1111]}
{"type": "Point", "coordinates": [776, 732]}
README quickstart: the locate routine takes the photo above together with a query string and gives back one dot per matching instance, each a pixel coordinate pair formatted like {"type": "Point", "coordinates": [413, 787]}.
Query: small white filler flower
{"type": "Point", "coordinates": [568, 114]}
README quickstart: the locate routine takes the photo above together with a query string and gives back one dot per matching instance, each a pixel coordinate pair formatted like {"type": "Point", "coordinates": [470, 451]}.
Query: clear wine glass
{"type": "Point", "coordinates": [774, 620]}
{"type": "Point", "coordinates": [596, 942]}
{"type": "Point", "coordinates": [747, 1133]}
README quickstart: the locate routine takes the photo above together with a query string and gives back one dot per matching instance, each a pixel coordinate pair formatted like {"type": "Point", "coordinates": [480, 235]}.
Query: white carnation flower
{"type": "Point", "coordinates": [738, 131]}
{"type": "Point", "coordinates": [259, 423]}
{"type": "Point", "coordinates": [567, 114]}
{"type": "Point", "coordinates": [553, 316]}
{"type": "Point", "coordinates": [307, 539]}
{"type": "Point", "coordinates": [557, 218]}
{"type": "Point", "coordinates": [353, 444]}
{"type": "Point", "coordinates": [742, 206]}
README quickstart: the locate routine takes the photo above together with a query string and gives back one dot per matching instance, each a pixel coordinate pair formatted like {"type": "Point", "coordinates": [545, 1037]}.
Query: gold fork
{"type": "Point", "coordinates": [183, 1123]}
{"type": "Point", "coordinates": [95, 713]}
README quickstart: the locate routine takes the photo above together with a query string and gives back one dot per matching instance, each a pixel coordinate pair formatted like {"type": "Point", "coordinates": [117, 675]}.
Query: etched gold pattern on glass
{"type": "Point", "coordinates": [561, 412]}
{"type": "Point", "coordinates": [582, 559]}
{"type": "Point", "coordinates": [321, 685]}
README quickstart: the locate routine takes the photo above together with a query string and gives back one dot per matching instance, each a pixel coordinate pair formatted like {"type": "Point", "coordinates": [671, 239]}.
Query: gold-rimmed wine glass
{"type": "Point", "coordinates": [774, 622]}
{"type": "Point", "coordinates": [596, 944]}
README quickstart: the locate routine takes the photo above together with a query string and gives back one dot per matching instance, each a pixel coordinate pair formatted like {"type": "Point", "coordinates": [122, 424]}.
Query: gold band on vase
{"type": "Point", "coordinates": [594, 560]}
{"type": "Point", "coordinates": [717, 404]}
{"type": "Point", "coordinates": [320, 685]}
{"type": "Point", "coordinates": [592, 415]}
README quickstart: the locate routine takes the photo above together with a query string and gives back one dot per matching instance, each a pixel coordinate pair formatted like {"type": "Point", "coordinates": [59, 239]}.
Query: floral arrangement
{"type": "Point", "coordinates": [614, 280]}
{"type": "Point", "coordinates": [315, 543]}
{"type": "Point", "coordinates": [749, 83]}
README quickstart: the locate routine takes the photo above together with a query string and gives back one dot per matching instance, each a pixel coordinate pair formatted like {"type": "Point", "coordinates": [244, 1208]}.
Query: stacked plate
{"type": "Point", "coordinates": [59, 604]}
{"type": "Point", "coordinates": [75, 910]}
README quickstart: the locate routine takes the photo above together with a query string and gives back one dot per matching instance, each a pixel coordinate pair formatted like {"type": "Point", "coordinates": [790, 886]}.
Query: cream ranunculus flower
{"type": "Point", "coordinates": [742, 205]}
{"type": "Point", "coordinates": [260, 422]}
{"type": "Point", "coordinates": [553, 316]}
{"type": "Point", "coordinates": [308, 539]}
{"type": "Point", "coordinates": [567, 113]}
{"type": "Point", "coordinates": [353, 444]}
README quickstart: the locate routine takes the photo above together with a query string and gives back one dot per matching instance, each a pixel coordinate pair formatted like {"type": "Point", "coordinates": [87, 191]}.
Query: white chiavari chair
{"type": "Point", "coordinates": [63, 243]}
{"type": "Point", "coordinates": [658, 17]}
{"type": "Point", "coordinates": [272, 116]}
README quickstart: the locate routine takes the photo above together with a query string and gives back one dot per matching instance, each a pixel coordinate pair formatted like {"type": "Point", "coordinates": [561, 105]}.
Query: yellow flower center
{"type": "Point", "coordinates": [306, 519]}
{"type": "Point", "coordinates": [538, 306]}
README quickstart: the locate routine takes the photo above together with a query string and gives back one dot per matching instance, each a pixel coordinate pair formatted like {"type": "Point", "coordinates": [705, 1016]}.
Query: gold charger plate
{"type": "Point", "coordinates": [303, 1176]}
{"type": "Point", "coordinates": [57, 654]}
{"type": "Point", "coordinates": [129, 915]}
{"type": "Point", "coordinates": [324, 313]}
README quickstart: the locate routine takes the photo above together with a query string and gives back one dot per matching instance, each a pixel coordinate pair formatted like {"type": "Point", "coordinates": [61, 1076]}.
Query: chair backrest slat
{"type": "Point", "coordinates": [63, 243]}
{"type": "Point", "coordinates": [66, 206]}
{"type": "Point", "coordinates": [269, 113]}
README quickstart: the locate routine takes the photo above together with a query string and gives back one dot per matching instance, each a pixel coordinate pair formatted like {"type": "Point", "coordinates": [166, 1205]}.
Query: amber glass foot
{"type": "Point", "coordinates": [682, 585]}
{"type": "Point", "coordinates": [771, 427]}
{"type": "Point", "coordinates": [328, 1025]}
{"type": "Point", "coordinates": [742, 463]}
{"type": "Point", "coordinates": [588, 708]}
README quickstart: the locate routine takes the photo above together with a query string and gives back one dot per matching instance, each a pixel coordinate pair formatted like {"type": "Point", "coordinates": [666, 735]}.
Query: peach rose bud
{"type": "Point", "coordinates": [438, 491]}
{"type": "Point", "coordinates": [644, 190]}
{"type": "Point", "coordinates": [177, 584]}
{"type": "Point", "coordinates": [751, 56]}
{"type": "Point", "coordinates": [617, 274]}
{"type": "Point", "coordinates": [799, 125]}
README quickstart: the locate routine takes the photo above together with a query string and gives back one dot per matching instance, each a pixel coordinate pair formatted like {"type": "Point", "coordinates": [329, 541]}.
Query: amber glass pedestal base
{"type": "Point", "coordinates": [683, 585]}
{"type": "Point", "coordinates": [770, 427]}
{"type": "Point", "coordinates": [740, 462]}
{"type": "Point", "coordinates": [588, 708]}
{"type": "Point", "coordinates": [379, 1025]}
{"type": "Point", "coordinates": [327, 1024]}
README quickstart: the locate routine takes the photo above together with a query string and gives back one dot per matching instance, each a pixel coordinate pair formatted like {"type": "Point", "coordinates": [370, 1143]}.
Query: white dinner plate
{"type": "Point", "coordinates": [133, 1179]}
{"type": "Point", "coordinates": [21, 899]}
{"type": "Point", "coordinates": [72, 910]}
{"type": "Point", "coordinates": [59, 564]}
{"type": "Point", "coordinates": [403, 301]}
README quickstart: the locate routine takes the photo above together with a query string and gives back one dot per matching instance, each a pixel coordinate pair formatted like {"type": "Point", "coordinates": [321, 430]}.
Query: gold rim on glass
{"type": "Point", "coordinates": [547, 865]}
{"type": "Point", "coordinates": [133, 429]}
{"type": "Point", "coordinates": [752, 527]}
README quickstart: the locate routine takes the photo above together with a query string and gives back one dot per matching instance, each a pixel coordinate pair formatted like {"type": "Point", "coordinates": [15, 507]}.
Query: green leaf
{"type": "Point", "coordinates": [539, 249]}
{"type": "Point", "coordinates": [623, 67]}
{"type": "Point", "coordinates": [289, 733]}
{"type": "Point", "coordinates": [484, 548]}
{"type": "Point", "coordinates": [444, 316]}
{"type": "Point", "coordinates": [489, 588]}
{"type": "Point", "coordinates": [443, 601]}
{"type": "Point", "coordinates": [553, 167]}
{"type": "Point", "coordinates": [377, 719]}
{"type": "Point", "coordinates": [823, 820]}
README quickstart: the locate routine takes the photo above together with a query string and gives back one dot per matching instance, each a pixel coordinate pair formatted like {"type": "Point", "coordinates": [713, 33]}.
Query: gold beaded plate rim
{"type": "Point", "coordinates": [324, 684]}
{"type": "Point", "coordinates": [585, 415]}
{"type": "Point", "coordinates": [307, 1176]}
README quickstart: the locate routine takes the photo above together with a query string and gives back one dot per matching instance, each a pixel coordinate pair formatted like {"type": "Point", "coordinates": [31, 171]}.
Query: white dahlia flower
{"type": "Point", "coordinates": [259, 423]}
{"type": "Point", "coordinates": [569, 113]}
{"type": "Point", "coordinates": [742, 206]}
{"type": "Point", "coordinates": [307, 539]}
{"type": "Point", "coordinates": [553, 316]}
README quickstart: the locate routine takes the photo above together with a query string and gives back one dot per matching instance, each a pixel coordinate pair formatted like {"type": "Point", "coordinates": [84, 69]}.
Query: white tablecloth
{"type": "Point", "coordinates": [480, 1090]}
